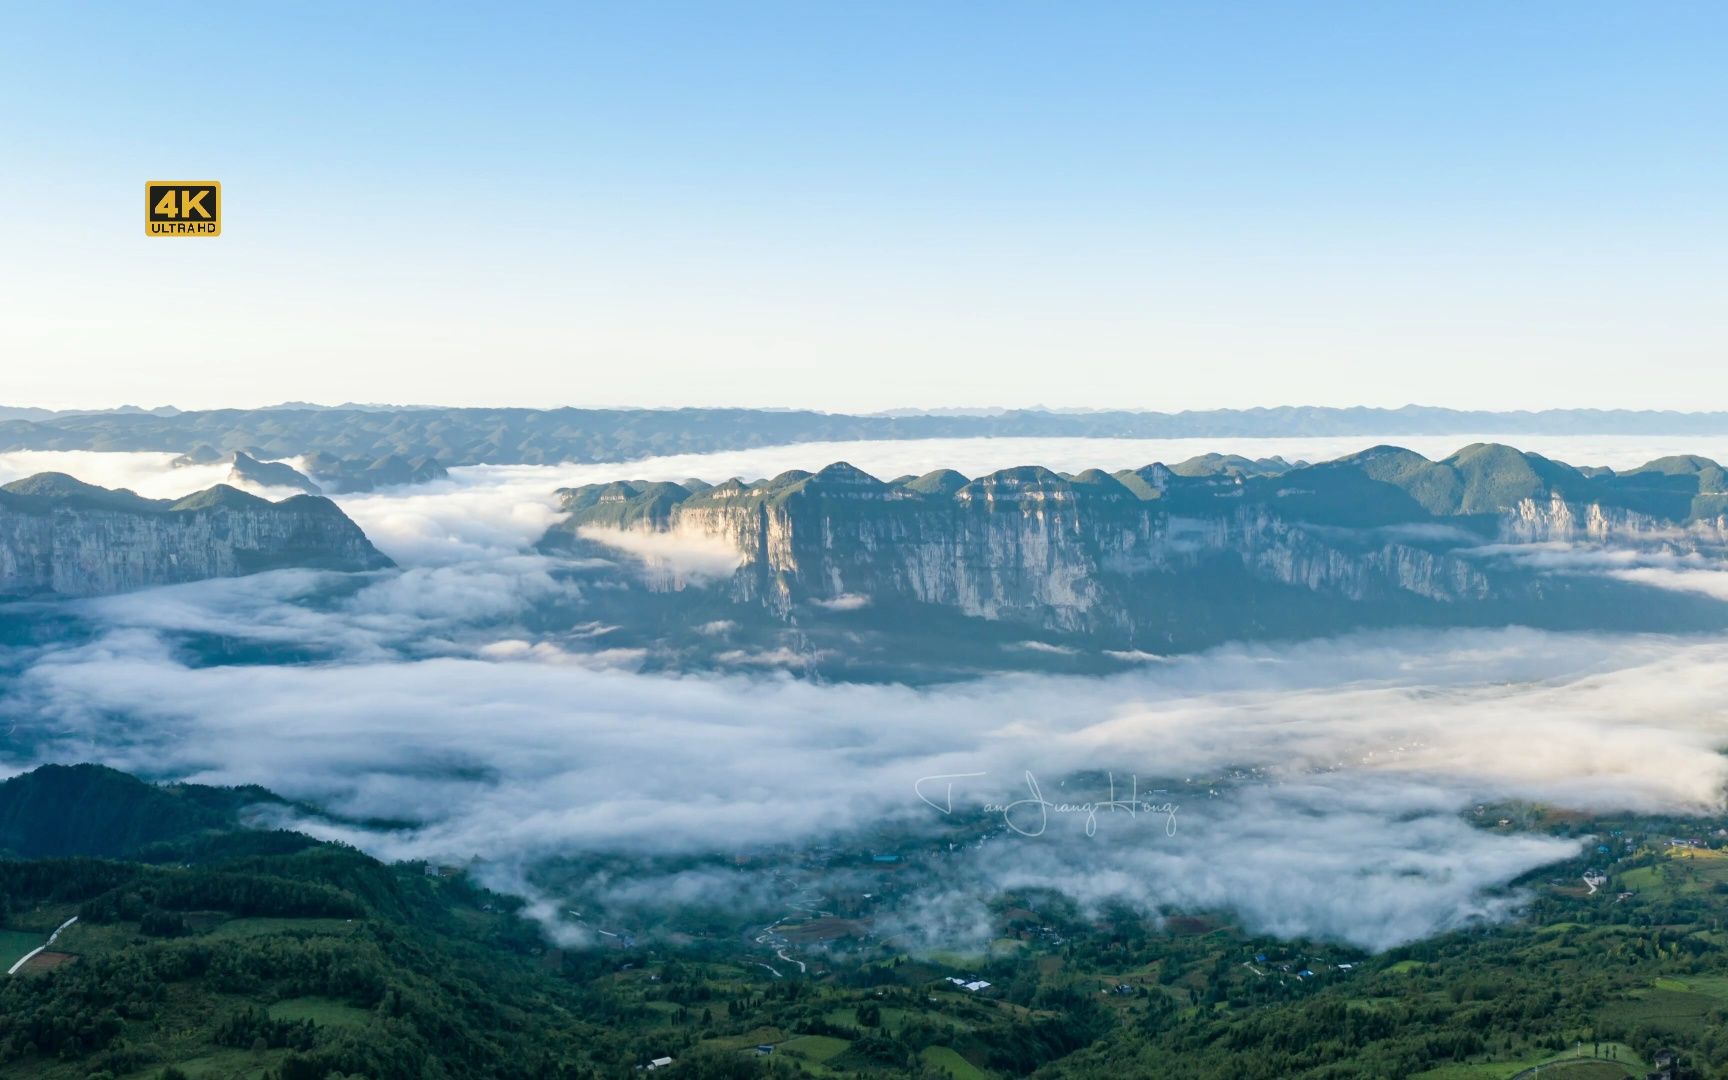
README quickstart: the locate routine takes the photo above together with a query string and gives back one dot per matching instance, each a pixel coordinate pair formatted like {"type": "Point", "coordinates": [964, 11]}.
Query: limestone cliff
{"type": "Point", "coordinates": [1385, 535]}
{"type": "Point", "coordinates": [62, 537]}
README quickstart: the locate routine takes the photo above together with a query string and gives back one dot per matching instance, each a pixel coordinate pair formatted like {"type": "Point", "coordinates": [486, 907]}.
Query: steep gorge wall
{"type": "Point", "coordinates": [1039, 552]}
{"type": "Point", "coordinates": [92, 551]}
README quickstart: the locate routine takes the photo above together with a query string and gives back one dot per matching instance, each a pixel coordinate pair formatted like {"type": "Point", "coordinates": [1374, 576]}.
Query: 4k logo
{"type": "Point", "coordinates": [183, 208]}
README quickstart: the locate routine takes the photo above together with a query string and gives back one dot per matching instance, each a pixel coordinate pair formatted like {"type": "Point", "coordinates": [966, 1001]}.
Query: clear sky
{"type": "Point", "coordinates": [870, 205]}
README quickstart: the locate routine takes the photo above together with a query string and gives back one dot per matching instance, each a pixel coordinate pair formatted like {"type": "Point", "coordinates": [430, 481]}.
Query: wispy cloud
{"type": "Point", "coordinates": [844, 602]}
{"type": "Point", "coordinates": [679, 556]}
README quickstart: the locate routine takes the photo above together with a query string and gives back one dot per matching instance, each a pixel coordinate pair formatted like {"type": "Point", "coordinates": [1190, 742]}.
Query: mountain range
{"type": "Point", "coordinates": [841, 573]}
{"type": "Point", "coordinates": [458, 436]}
{"type": "Point", "coordinates": [1155, 559]}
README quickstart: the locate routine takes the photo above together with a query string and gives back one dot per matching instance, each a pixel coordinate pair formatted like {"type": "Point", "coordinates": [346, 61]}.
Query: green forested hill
{"type": "Point", "coordinates": [92, 810]}
{"type": "Point", "coordinates": [228, 953]}
{"type": "Point", "coordinates": [236, 953]}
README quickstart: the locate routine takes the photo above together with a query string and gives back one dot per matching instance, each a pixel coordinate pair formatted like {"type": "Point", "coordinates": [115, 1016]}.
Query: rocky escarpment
{"type": "Point", "coordinates": [62, 537]}
{"type": "Point", "coordinates": [1381, 536]}
{"type": "Point", "coordinates": [1081, 553]}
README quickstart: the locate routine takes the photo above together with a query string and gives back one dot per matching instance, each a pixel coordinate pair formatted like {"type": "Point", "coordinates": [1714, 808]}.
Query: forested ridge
{"type": "Point", "coordinates": [233, 952]}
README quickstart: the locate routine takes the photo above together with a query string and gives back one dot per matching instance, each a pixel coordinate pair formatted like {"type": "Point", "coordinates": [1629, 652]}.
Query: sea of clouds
{"type": "Point", "coordinates": [1335, 782]}
{"type": "Point", "coordinates": [1368, 754]}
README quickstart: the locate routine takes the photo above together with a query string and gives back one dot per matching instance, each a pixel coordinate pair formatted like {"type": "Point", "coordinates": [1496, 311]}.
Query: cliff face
{"type": "Point", "coordinates": [1024, 545]}
{"type": "Point", "coordinates": [1029, 546]}
{"type": "Point", "coordinates": [62, 537]}
{"type": "Point", "coordinates": [1134, 554]}
{"type": "Point", "coordinates": [1005, 545]}
{"type": "Point", "coordinates": [1555, 520]}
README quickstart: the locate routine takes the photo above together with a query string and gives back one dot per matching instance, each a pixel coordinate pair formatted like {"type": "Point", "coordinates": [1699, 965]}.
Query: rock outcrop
{"type": "Point", "coordinates": [244, 468]}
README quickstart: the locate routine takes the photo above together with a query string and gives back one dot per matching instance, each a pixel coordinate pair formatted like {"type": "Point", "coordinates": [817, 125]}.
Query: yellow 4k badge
{"type": "Point", "coordinates": [183, 208]}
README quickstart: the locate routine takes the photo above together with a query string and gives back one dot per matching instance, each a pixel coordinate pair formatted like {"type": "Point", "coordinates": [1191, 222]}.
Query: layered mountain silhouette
{"type": "Point", "coordinates": [459, 436]}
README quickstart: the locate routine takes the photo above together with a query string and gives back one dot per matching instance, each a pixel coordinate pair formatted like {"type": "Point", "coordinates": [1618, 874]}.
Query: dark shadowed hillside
{"type": "Point", "coordinates": [60, 810]}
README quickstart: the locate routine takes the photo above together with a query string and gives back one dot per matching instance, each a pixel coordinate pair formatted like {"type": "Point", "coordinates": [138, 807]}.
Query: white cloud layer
{"type": "Point", "coordinates": [678, 556]}
{"type": "Point", "coordinates": [1364, 756]}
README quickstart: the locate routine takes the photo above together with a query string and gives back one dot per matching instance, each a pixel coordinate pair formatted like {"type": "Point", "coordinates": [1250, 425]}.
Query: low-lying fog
{"type": "Point", "coordinates": [1328, 788]}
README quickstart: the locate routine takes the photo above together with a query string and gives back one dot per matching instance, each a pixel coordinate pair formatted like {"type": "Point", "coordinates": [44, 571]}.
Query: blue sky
{"type": "Point", "coordinates": [859, 206]}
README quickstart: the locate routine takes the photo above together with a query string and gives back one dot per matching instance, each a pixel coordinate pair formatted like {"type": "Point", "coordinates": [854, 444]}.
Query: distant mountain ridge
{"type": "Point", "coordinates": [464, 436]}
{"type": "Point", "coordinates": [63, 537]}
{"type": "Point", "coordinates": [245, 467]}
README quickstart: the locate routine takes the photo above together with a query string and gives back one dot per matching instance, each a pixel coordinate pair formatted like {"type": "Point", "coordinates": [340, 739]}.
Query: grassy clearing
{"type": "Point", "coordinates": [1643, 879]}
{"type": "Point", "coordinates": [1714, 986]}
{"type": "Point", "coordinates": [817, 1048]}
{"type": "Point", "coordinates": [15, 943]}
{"type": "Point", "coordinates": [1627, 1064]}
{"type": "Point", "coordinates": [1681, 1011]}
{"type": "Point", "coordinates": [321, 1011]}
{"type": "Point", "coordinates": [1701, 854]}
{"type": "Point", "coordinates": [747, 1040]}
{"type": "Point", "coordinates": [894, 1017]}
{"type": "Point", "coordinates": [1682, 871]}
{"type": "Point", "coordinates": [45, 918]}
{"type": "Point", "coordinates": [947, 1059]}
{"type": "Point", "coordinates": [90, 938]}
{"type": "Point", "coordinates": [255, 927]}
{"type": "Point", "coordinates": [221, 1065]}
{"type": "Point", "coordinates": [1586, 1070]}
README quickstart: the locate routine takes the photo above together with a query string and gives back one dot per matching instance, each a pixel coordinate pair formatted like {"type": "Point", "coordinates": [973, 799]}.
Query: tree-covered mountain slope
{"type": "Point", "coordinates": [60, 810]}
{"type": "Point", "coordinates": [226, 953]}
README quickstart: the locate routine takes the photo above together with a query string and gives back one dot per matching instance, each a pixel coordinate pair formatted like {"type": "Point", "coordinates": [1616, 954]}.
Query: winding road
{"type": "Point", "coordinates": [27, 957]}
